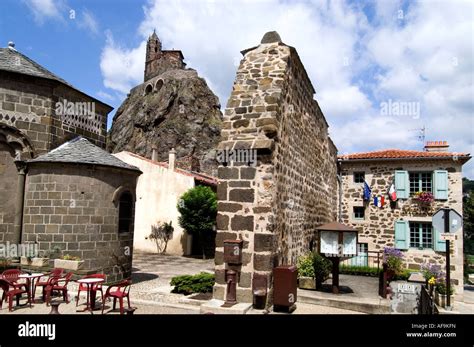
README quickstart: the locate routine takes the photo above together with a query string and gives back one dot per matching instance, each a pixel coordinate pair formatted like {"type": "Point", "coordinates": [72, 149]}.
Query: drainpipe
{"type": "Point", "coordinates": [339, 181]}
{"type": "Point", "coordinates": [20, 195]}
{"type": "Point", "coordinates": [171, 160]}
{"type": "Point", "coordinates": [154, 155]}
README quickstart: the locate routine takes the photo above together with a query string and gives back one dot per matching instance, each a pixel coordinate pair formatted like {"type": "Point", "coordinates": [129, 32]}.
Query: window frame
{"type": "Point", "coordinates": [420, 185]}
{"type": "Point", "coordinates": [354, 175]}
{"type": "Point", "coordinates": [419, 229]}
{"type": "Point", "coordinates": [354, 213]}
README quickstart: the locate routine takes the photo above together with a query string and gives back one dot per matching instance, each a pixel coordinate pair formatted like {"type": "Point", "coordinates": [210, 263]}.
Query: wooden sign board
{"type": "Point", "coordinates": [448, 236]}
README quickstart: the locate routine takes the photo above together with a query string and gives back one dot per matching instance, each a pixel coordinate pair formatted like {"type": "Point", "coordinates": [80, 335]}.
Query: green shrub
{"type": "Point", "coordinates": [189, 284]}
{"type": "Point", "coordinates": [322, 268]}
{"type": "Point", "coordinates": [403, 275]}
{"type": "Point", "coordinates": [359, 270]}
{"type": "Point", "coordinates": [305, 265]}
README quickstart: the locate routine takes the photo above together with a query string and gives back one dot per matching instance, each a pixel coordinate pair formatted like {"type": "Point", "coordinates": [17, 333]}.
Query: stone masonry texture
{"type": "Point", "coordinates": [274, 206]}
{"type": "Point", "coordinates": [70, 208]}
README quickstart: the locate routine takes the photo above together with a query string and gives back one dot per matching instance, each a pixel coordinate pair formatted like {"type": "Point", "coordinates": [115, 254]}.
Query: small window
{"type": "Point", "coordinates": [359, 212]}
{"type": "Point", "coordinates": [148, 89]}
{"type": "Point", "coordinates": [421, 235]}
{"type": "Point", "coordinates": [420, 182]}
{"type": "Point", "coordinates": [125, 212]}
{"type": "Point", "coordinates": [359, 177]}
{"type": "Point", "coordinates": [158, 85]}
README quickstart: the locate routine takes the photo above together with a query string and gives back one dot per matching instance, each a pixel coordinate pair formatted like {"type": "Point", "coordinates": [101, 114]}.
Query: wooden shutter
{"type": "Point", "coordinates": [402, 234]}
{"type": "Point", "coordinates": [440, 184]}
{"type": "Point", "coordinates": [402, 184]}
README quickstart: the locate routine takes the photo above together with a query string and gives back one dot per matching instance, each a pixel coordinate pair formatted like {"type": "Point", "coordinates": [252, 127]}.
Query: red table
{"type": "Point", "coordinates": [30, 283]}
{"type": "Point", "coordinates": [89, 282]}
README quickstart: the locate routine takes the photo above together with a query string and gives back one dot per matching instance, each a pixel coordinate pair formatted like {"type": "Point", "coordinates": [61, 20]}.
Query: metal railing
{"type": "Point", "coordinates": [372, 259]}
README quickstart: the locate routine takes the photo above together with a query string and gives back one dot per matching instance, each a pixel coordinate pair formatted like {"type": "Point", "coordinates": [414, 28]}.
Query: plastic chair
{"type": "Point", "coordinates": [94, 288]}
{"type": "Point", "coordinates": [54, 284]}
{"type": "Point", "coordinates": [118, 291]}
{"type": "Point", "coordinates": [56, 272]}
{"type": "Point", "coordinates": [10, 293]}
{"type": "Point", "coordinates": [12, 276]}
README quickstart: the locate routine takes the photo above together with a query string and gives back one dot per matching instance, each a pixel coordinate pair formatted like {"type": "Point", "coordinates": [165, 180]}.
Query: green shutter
{"type": "Point", "coordinates": [402, 234]}
{"type": "Point", "coordinates": [439, 245]}
{"type": "Point", "coordinates": [402, 184]}
{"type": "Point", "coordinates": [440, 184]}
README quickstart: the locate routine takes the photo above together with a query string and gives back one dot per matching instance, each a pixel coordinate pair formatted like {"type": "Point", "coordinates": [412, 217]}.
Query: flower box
{"type": "Point", "coordinates": [68, 264]}
{"type": "Point", "coordinates": [441, 300]}
{"type": "Point", "coordinates": [25, 261]}
{"type": "Point", "coordinates": [39, 262]}
{"type": "Point", "coordinates": [306, 283]}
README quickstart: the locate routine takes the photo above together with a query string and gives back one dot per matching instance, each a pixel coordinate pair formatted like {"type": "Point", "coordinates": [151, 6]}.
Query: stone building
{"type": "Point", "coordinates": [404, 224]}
{"type": "Point", "coordinates": [38, 112]}
{"type": "Point", "coordinates": [157, 194]}
{"type": "Point", "coordinates": [79, 200]}
{"type": "Point", "coordinates": [158, 60]}
{"type": "Point", "coordinates": [275, 205]}
{"type": "Point", "coordinates": [172, 108]}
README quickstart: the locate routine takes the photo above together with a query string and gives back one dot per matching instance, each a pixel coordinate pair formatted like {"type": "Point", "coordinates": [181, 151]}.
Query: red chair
{"type": "Point", "coordinates": [118, 291]}
{"type": "Point", "coordinates": [94, 288]}
{"type": "Point", "coordinates": [40, 282]}
{"type": "Point", "coordinates": [12, 276]}
{"type": "Point", "coordinates": [10, 293]}
{"type": "Point", "coordinates": [54, 285]}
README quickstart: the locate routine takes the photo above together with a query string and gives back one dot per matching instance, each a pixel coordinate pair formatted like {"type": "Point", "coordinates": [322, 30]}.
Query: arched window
{"type": "Point", "coordinates": [158, 85]}
{"type": "Point", "coordinates": [125, 212]}
{"type": "Point", "coordinates": [148, 89]}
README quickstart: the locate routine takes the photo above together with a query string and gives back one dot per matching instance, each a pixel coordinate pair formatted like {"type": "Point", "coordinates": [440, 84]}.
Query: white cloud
{"type": "Point", "coordinates": [122, 68]}
{"type": "Point", "coordinates": [45, 9]}
{"type": "Point", "coordinates": [354, 63]}
{"type": "Point", "coordinates": [88, 22]}
{"type": "Point", "coordinates": [104, 95]}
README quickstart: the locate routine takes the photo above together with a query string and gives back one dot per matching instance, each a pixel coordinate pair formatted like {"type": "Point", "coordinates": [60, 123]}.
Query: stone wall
{"type": "Point", "coordinates": [71, 208]}
{"type": "Point", "coordinates": [8, 188]}
{"type": "Point", "coordinates": [378, 227]}
{"type": "Point", "coordinates": [29, 104]}
{"type": "Point", "coordinates": [274, 205]}
{"type": "Point", "coordinates": [167, 60]}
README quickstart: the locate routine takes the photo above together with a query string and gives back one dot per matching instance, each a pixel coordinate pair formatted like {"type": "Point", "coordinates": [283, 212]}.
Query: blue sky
{"type": "Point", "coordinates": [360, 55]}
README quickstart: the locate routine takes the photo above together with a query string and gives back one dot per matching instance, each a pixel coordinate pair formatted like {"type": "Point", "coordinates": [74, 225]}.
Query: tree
{"type": "Point", "coordinates": [161, 234]}
{"type": "Point", "coordinates": [198, 209]}
{"type": "Point", "coordinates": [468, 215]}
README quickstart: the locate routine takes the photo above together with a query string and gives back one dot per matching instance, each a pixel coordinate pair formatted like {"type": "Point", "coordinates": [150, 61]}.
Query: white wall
{"type": "Point", "coordinates": [158, 191]}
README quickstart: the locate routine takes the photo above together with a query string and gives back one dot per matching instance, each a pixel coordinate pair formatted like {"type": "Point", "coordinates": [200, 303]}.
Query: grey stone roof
{"type": "Point", "coordinates": [80, 150]}
{"type": "Point", "coordinates": [14, 61]}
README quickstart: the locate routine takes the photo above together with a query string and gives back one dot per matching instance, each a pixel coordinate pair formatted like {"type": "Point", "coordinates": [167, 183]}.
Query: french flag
{"type": "Point", "coordinates": [392, 193]}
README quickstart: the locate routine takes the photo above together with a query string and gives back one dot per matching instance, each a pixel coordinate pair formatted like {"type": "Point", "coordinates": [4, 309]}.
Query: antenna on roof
{"type": "Point", "coordinates": [421, 134]}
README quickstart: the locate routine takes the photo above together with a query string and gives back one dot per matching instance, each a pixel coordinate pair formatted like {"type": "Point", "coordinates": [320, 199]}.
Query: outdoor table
{"type": "Point", "coordinates": [30, 283]}
{"type": "Point", "coordinates": [90, 305]}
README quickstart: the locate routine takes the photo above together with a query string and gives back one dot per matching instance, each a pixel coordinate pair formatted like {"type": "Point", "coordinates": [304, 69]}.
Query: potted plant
{"type": "Point", "coordinates": [25, 260]}
{"type": "Point", "coordinates": [441, 293]}
{"type": "Point", "coordinates": [393, 258]}
{"type": "Point", "coordinates": [41, 260]}
{"type": "Point", "coordinates": [322, 269]}
{"type": "Point", "coordinates": [431, 272]}
{"type": "Point", "coordinates": [306, 277]}
{"type": "Point", "coordinates": [68, 262]}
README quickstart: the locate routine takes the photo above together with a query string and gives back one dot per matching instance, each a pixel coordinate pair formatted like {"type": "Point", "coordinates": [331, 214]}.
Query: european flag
{"type": "Point", "coordinates": [367, 191]}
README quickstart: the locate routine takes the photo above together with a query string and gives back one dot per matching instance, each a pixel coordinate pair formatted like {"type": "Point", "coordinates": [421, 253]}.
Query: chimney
{"type": "Point", "coordinates": [436, 146]}
{"type": "Point", "coordinates": [172, 157]}
{"type": "Point", "coordinates": [154, 153]}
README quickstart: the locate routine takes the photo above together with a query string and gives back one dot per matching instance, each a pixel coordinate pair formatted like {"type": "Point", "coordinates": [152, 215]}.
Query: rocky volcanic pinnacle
{"type": "Point", "coordinates": [173, 110]}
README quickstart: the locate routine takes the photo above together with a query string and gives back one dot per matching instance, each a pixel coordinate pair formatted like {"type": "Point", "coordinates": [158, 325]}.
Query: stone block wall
{"type": "Point", "coordinates": [71, 208]}
{"type": "Point", "coordinates": [8, 189]}
{"type": "Point", "coordinates": [29, 104]}
{"type": "Point", "coordinates": [275, 205]}
{"type": "Point", "coordinates": [378, 227]}
{"type": "Point", "coordinates": [167, 60]}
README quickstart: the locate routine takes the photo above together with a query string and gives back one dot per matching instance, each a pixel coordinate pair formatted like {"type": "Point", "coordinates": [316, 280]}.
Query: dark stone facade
{"type": "Point", "coordinates": [275, 206]}
{"type": "Point", "coordinates": [74, 208]}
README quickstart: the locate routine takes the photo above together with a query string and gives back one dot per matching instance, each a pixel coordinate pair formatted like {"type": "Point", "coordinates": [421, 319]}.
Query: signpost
{"type": "Point", "coordinates": [449, 221]}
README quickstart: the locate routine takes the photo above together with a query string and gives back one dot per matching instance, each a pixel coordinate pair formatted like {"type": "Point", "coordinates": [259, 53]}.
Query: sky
{"type": "Point", "coordinates": [382, 70]}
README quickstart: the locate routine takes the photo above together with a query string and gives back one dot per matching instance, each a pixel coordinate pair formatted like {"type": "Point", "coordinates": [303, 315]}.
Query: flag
{"type": "Point", "coordinates": [382, 201]}
{"type": "Point", "coordinates": [367, 191]}
{"type": "Point", "coordinates": [376, 201]}
{"type": "Point", "coordinates": [392, 193]}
